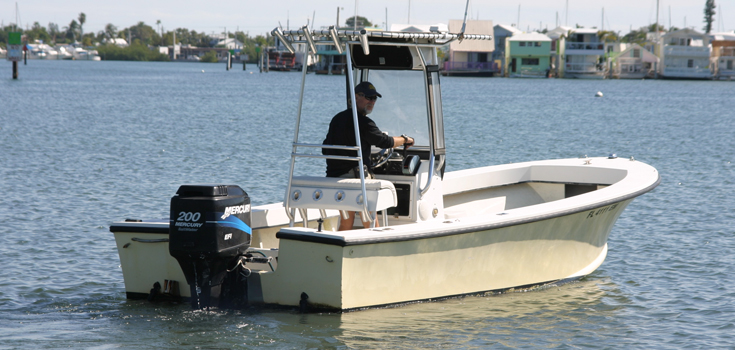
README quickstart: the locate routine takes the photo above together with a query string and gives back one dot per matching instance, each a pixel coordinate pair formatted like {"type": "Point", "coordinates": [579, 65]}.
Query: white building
{"type": "Point", "coordinates": [634, 62]}
{"type": "Point", "coordinates": [115, 41]}
{"type": "Point", "coordinates": [686, 55]}
{"type": "Point", "coordinates": [230, 44]}
{"type": "Point", "coordinates": [584, 55]}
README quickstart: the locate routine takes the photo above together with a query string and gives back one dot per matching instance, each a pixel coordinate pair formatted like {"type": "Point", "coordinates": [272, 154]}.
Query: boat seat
{"type": "Point", "coordinates": [311, 192]}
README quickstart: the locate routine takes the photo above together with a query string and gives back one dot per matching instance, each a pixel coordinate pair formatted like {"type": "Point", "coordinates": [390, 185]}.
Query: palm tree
{"type": "Point", "coordinates": [53, 30]}
{"type": "Point", "coordinates": [82, 19]}
{"type": "Point", "coordinates": [110, 30]}
{"type": "Point", "coordinates": [158, 25]}
{"type": "Point", "coordinates": [71, 30]}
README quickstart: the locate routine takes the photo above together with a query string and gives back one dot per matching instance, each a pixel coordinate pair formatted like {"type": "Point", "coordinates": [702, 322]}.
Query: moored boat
{"type": "Point", "coordinates": [432, 233]}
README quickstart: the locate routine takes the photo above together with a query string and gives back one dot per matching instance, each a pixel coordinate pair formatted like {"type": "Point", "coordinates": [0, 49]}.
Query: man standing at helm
{"type": "Point", "coordinates": [342, 132]}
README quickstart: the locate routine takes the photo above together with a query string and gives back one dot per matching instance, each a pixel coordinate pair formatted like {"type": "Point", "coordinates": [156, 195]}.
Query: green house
{"type": "Point", "coordinates": [528, 55]}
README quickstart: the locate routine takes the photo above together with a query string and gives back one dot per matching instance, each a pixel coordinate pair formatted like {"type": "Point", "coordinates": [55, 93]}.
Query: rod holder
{"type": "Point", "coordinates": [335, 38]}
{"type": "Point", "coordinates": [364, 42]}
{"type": "Point", "coordinates": [279, 34]}
{"type": "Point", "coordinates": [309, 38]}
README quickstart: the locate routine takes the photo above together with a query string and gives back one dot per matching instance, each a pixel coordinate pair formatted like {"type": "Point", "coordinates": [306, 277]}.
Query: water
{"type": "Point", "coordinates": [84, 144]}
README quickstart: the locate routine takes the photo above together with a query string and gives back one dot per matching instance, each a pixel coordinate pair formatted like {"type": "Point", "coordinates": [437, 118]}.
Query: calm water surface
{"type": "Point", "coordinates": [83, 144]}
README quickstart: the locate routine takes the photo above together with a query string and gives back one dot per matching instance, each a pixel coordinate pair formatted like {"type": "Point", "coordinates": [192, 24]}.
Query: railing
{"type": "Point", "coordinates": [676, 50]}
{"type": "Point", "coordinates": [473, 66]}
{"type": "Point", "coordinates": [585, 46]}
{"type": "Point", "coordinates": [530, 73]}
{"type": "Point", "coordinates": [727, 52]}
{"type": "Point", "coordinates": [584, 68]}
{"type": "Point", "coordinates": [686, 71]}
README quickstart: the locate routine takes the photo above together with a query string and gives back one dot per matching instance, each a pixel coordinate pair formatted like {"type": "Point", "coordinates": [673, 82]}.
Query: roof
{"type": "Point", "coordinates": [419, 28]}
{"type": "Point", "coordinates": [557, 32]}
{"type": "Point", "coordinates": [646, 56]}
{"type": "Point", "coordinates": [508, 28]}
{"type": "Point", "coordinates": [688, 32]}
{"type": "Point", "coordinates": [484, 27]}
{"type": "Point", "coordinates": [533, 36]}
{"type": "Point", "coordinates": [584, 31]}
{"type": "Point", "coordinates": [726, 36]}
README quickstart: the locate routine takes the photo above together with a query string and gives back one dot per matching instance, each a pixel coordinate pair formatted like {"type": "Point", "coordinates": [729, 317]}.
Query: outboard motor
{"type": "Point", "coordinates": [208, 235]}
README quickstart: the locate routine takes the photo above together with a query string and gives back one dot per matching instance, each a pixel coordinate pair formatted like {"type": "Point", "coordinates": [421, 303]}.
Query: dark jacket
{"type": "Point", "coordinates": [342, 132]}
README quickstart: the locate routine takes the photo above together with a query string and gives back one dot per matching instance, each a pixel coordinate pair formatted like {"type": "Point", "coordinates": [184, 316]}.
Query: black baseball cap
{"type": "Point", "coordinates": [367, 89]}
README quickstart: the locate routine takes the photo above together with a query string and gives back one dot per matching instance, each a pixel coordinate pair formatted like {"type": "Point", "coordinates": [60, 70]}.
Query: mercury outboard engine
{"type": "Point", "coordinates": [208, 235]}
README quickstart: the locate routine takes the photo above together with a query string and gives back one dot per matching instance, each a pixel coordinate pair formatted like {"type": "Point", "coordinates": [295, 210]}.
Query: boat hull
{"type": "Point", "coordinates": [500, 227]}
{"type": "Point", "coordinates": [377, 274]}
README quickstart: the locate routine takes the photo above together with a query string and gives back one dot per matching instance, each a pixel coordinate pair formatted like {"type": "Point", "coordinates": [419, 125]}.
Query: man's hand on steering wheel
{"type": "Point", "coordinates": [407, 140]}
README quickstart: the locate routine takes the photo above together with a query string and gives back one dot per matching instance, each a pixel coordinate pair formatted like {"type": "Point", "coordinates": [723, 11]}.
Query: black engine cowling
{"type": "Point", "coordinates": [209, 232]}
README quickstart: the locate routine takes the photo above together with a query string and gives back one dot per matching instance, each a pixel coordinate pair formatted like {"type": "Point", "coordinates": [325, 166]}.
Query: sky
{"type": "Point", "coordinates": [260, 17]}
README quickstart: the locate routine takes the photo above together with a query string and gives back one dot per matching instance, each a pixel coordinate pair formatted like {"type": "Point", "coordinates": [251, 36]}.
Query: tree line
{"type": "Point", "coordinates": [140, 35]}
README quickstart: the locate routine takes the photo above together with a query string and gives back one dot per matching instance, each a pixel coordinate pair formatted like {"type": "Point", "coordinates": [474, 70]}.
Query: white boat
{"type": "Point", "coordinates": [441, 234]}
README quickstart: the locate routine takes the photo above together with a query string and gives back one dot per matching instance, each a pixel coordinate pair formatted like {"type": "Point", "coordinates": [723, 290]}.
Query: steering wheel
{"type": "Point", "coordinates": [382, 157]}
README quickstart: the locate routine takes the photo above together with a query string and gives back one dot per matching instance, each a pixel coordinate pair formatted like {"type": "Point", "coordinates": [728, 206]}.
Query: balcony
{"type": "Point", "coordinates": [689, 51]}
{"type": "Point", "coordinates": [584, 68]}
{"type": "Point", "coordinates": [687, 72]}
{"type": "Point", "coordinates": [470, 66]}
{"type": "Point", "coordinates": [591, 49]}
{"type": "Point", "coordinates": [585, 46]}
{"type": "Point", "coordinates": [727, 52]}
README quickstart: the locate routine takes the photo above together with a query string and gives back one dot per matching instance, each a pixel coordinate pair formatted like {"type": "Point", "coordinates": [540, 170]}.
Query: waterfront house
{"type": "Point", "coordinates": [686, 55]}
{"type": "Point", "coordinates": [723, 55]}
{"type": "Point", "coordinates": [558, 37]}
{"type": "Point", "coordinates": [633, 62]}
{"type": "Point", "coordinates": [230, 44]}
{"type": "Point", "coordinates": [584, 55]}
{"type": "Point", "coordinates": [528, 55]}
{"type": "Point", "coordinates": [330, 61]}
{"type": "Point", "coordinates": [500, 33]}
{"type": "Point", "coordinates": [471, 57]}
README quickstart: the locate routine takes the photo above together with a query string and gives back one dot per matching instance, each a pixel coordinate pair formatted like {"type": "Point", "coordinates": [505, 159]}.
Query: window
{"type": "Point", "coordinates": [637, 53]}
{"type": "Point", "coordinates": [529, 61]}
{"type": "Point", "coordinates": [537, 44]}
{"type": "Point", "coordinates": [729, 65]}
{"type": "Point", "coordinates": [521, 43]}
{"type": "Point", "coordinates": [690, 63]}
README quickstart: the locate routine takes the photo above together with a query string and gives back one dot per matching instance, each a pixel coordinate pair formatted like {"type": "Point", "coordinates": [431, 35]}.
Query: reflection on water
{"type": "Point", "coordinates": [561, 312]}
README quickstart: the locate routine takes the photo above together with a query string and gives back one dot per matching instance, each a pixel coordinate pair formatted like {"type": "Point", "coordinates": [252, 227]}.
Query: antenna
{"type": "Point", "coordinates": [518, 21]}
{"type": "Point", "coordinates": [409, 11]}
{"type": "Point", "coordinates": [721, 26]}
{"type": "Point", "coordinates": [17, 17]}
{"type": "Point", "coordinates": [464, 23]}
